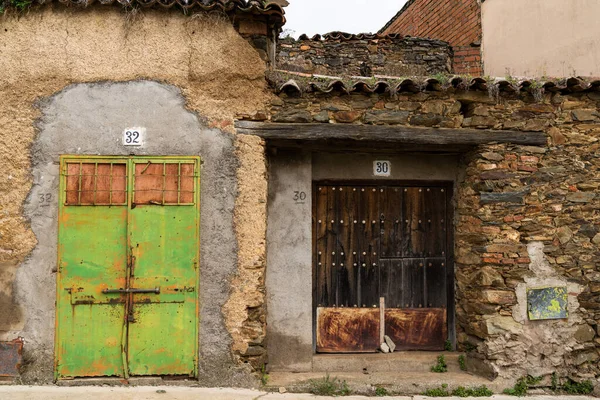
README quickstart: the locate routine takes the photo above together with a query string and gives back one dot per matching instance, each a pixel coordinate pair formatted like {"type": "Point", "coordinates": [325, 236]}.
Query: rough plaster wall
{"type": "Point", "coordinates": [97, 112]}
{"type": "Point", "coordinates": [289, 257]}
{"type": "Point", "coordinates": [218, 72]}
{"type": "Point", "coordinates": [245, 309]}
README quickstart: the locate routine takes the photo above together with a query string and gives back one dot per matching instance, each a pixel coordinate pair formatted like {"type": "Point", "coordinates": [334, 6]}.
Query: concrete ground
{"type": "Point", "coordinates": [187, 393]}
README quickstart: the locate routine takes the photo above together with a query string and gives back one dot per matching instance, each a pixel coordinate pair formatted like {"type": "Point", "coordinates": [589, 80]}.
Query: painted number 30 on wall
{"type": "Point", "coordinates": [134, 136]}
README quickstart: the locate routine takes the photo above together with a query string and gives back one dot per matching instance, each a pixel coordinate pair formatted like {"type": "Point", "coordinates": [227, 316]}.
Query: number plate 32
{"type": "Point", "coordinates": [134, 136]}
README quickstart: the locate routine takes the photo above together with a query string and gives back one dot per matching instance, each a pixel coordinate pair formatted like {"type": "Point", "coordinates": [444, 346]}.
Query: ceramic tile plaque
{"type": "Point", "coordinates": [547, 303]}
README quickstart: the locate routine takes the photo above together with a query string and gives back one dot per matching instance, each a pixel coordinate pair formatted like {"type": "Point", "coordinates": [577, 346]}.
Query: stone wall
{"type": "Point", "coordinates": [525, 217]}
{"type": "Point", "coordinates": [364, 55]}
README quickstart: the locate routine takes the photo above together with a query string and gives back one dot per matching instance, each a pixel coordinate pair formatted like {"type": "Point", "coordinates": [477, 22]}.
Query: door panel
{"type": "Point", "coordinates": [380, 241]}
{"type": "Point", "coordinates": [151, 246]}
{"type": "Point", "coordinates": [344, 330]}
{"type": "Point", "coordinates": [92, 250]}
{"type": "Point", "coordinates": [164, 242]}
{"type": "Point", "coordinates": [422, 328]}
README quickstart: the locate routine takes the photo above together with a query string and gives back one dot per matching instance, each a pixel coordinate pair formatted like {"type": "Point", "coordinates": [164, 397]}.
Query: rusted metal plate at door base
{"type": "Point", "coordinates": [347, 330]}
{"type": "Point", "coordinates": [11, 356]}
{"type": "Point", "coordinates": [417, 329]}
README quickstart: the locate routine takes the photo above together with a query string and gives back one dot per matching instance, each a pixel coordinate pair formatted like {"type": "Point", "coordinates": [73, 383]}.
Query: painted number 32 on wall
{"type": "Point", "coordinates": [134, 136]}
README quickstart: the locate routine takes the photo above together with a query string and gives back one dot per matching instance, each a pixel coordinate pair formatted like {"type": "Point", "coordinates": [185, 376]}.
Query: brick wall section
{"type": "Point", "coordinates": [409, 56]}
{"type": "Point", "coordinates": [457, 22]}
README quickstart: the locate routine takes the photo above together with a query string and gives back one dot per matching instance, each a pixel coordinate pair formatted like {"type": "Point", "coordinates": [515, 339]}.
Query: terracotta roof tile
{"type": "Point", "coordinates": [256, 7]}
{"type": "Point", "coordinates": [293, 82]}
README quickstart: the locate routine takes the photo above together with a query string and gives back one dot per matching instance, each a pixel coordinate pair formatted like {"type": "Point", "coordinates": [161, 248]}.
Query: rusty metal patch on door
{"type": "Point", "coordinates": [11, 357]}
{"type": "Point", "coordinates": [547, 303]}
{"type": "Point", "coordinates": [342, 330]}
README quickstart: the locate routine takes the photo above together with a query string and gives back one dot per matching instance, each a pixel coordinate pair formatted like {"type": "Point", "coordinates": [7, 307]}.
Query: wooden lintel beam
{"type": "Point", "coordinates": [388, 134]}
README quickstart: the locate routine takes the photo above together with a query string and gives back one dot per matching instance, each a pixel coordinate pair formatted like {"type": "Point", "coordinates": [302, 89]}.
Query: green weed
{"type": "Point", "coordinates": [438, 392]}
{"type": "Point", "coordinates": [571, 387]}
{"type": "Point", "coordinates": [264, 376]}
{"type": "Point", "coordinates": [479, 391]}
{"type": "Point", "coordinates": [520, 388]}
{"type": "Point", "coordinates": [329, 387]}
{"type": "Point", "coordinates": [381, 392]}
{"type": "Point", "coordinates": [448, 345]}
{"type": "Point", "coordinates": [441, 365]}
{"type": "Point", "coordinates": [462, 362]}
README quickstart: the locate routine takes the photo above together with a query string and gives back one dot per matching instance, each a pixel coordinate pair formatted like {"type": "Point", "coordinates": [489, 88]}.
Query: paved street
{"type": "Point", "coordinates": [186, 393]}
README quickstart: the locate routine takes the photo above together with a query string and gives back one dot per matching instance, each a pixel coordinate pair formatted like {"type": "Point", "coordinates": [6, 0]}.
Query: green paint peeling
{"type": "Point", "coordinates": [108, 248]}
{"type": "Point", "coordinates": [547, 303]}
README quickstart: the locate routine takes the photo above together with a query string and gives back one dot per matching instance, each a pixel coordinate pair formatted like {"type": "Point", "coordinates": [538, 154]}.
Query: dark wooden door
{"type": "Point", "coordinates": [374, 242]}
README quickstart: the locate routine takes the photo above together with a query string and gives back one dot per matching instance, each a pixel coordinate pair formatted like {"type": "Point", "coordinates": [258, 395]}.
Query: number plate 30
{"type": "Point", "coordinates": [134, 136]}
{"type": "Point", "coordinates": [382, 168]}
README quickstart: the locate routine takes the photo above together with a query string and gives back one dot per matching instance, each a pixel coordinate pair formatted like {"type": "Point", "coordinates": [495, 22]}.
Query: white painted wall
{"type": "Point", "coordinates": [535, 38]}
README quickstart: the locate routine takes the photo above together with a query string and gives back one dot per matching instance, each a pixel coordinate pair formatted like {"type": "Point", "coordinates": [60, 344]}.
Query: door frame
{"type": "Point", "coordinates": [450, 275]}
{"type": "Point", "coordinates": [129, 160]}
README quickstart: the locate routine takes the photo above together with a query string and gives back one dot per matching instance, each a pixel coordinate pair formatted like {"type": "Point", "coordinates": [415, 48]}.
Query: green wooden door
{"type": "Point", "coordinates": [127, 301]}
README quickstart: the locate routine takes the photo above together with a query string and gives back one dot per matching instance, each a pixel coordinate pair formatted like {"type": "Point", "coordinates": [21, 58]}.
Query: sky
{"type": "Point", "coordinates": [352, 16]}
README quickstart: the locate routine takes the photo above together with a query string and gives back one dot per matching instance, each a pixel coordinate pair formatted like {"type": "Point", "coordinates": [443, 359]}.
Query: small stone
{"type": "Point", "coordinates": [390, 343]}
{"type": "Point", "coordinates": [536, 125]}
{"type": "Point", "coordinates": [587, 356]}
{"type": "Point", "coordinates": [502, 325]}
{"type": "Point", "coordinates": [508, 197]}
{"type": "Point", "coordinates": [498, 297]}
{"type": "Point", "coordinates": [596, 239]}
{"type": "Point", "coordinates": [428, 120]}
{"type": "Point", "coordinates": [534, 149]}
{"type": "Point", "coordinates": [432, 107]}
{"type": "Point", "coordinates": [585, 115]}
{"type": "Point", "coordinates": [581, 197]}
{"type": "Point", "coordinates": [481, 111]}
{"type": "Point", "coordinates": [491, 156]}
{"type": "Point", "coordinates": [384, 348]}
{"type": "Point", "coordinates": [161, 391]}
{"type": "Point", "coordinates": [282, 390]}
{"type": "Point", "coordinates": [585, 333]}
{"type": "Point", "coordinates": [304, 48]}
{"type": "Point", "coordinates": [564, 234]}
{"type": "Point", "coordinates": [386, 117]}
{"type": "Point", "coordinates": [487, 276]}
{"type": "Point", "coordinates": [323, 116]}
{"type": "Point", "coordinates": [496, 175]}
{"type": "Point", "coordinates": [347, 117]}
{"type": "Point", "coordinates": [292, 117]}
{"type": "Point", "coordinates": [409, 105]}
{"type": "Point", "coordinates": [537, 108]}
